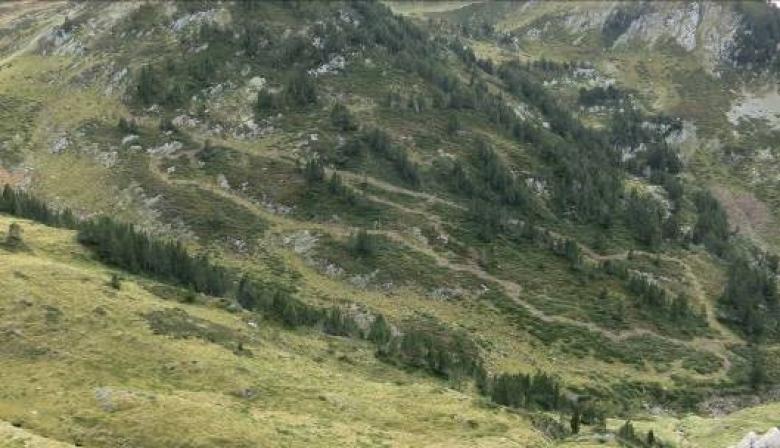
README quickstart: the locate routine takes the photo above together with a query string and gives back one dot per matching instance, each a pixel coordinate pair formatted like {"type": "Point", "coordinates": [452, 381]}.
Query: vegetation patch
{"type": "Point", "coordinates": [177, 323]}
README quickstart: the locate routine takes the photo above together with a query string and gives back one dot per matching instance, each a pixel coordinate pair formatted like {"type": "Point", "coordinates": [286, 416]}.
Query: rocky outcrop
{"type": "Point", "coordinates": [770, 439]}
{"type": "Point", "coordinates": [679, 22]}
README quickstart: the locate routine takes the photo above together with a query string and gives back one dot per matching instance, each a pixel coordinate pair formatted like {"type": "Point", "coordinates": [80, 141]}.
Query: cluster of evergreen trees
{"type": "Point", "coordinates": [750, 298]}
{"type": "Point", "coordinates": [491, 189]}
{"type": "Point", "coordinates": [424, 344]}
{"type": "Point", "coordinates": [645, 217]}
{"type": "Point", "coordinates": [442, 351]}
{"type": "Point", "coordinates": [299, 91]}
{"type": "Point", "coordinates": [25, 205]}
{"type": "Point", "coordinates": [535, 391]}
{"type": "Point", "coordinates": [314, 171]}
{"type": "Point", "coordinates": [584, 170]}
{"type": "Point", "coordinates": [124, 246]}
{"type": "Point", "coordinates": [496, 178]}
{"type": "Point", "coordinates": [712, 226]}
{"type": "Point", "coordinates": [314, 174]}
{"type": "Point", "coordinates": [378, 142]}
{"type": "Point", "coordinates": [173, 81]}
{"type": "Point", "coordinates": [492, 181]}
{"type": "Point", "coordinates": [363, 244]}
{"type": "Point", "coordinates": [600, 96]}
{"type": "Point", "coordinates": [342, 119]}
{"type": "Point", "coordinates": [570, 250]}
{"type": "Point", "coordinates": [657, 299]}
{"type": "Point", "coordinates": [279, 303]}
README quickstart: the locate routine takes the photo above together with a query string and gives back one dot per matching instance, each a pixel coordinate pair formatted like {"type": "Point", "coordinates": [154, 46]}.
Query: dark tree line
{"type": "Point", "coordinates": [25, 205]}
{"type": "Point", "coordinates": [423, 344]}
{"type": "Point", "coordinates": [277, 302]}
{"type": "Point", "coordinates": [584, 168]}
{"type": "Point", "coordinates": [124, 246]}
{"type": "Point", "coordinates": [657, 299]}
{"type": "Point", "coordinates": [498, 179]}
{"type": "Point", "coordinates": [535, 391]}
{"type": "Point", "coordinates": [433, 347]}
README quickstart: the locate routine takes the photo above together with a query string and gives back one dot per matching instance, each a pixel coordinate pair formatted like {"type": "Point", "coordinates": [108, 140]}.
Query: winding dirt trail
{"type": "Point", "coordinates": [512, 289]}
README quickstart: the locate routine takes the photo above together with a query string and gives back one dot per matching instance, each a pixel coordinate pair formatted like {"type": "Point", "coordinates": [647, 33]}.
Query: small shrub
{"type": "Point", "coordinates": [116, 282]}
{"type": "Point", "coordinates": [314, 171]}
{"type": "Point", "coordinates": [363, 244]}
{"type": "Point", "coordinates": [14, 237]}
{"type": "Point", "coordinates": [342, 119]}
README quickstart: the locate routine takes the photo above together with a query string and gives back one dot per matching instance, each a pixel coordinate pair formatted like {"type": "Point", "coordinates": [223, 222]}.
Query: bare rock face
{"type": "Point", "coordinates": [705, 29]}
{"type": "Point", "coordinates": [770, 439]}
{"type": "Point", "coordinates": [679, 23]}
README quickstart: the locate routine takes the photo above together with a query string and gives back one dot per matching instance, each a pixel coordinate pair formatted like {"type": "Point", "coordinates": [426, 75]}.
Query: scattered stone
{"type": "Point", "coordinates": [59, 145]}
{"type": "Point", "coordinates": [194, 20]}
{"type": "Point", "coordinates": [223, 182]}
{"type": "Point", "coordinates": [446, 293]}
{"type": "Point", "coordinates": [113, 400]}
{"type": "Point", "coordinates": [129, 138]}
{"type": "Point", "coordinates": [336, 64]}
{"type": "Point", "coordinates": [256, 83]}
{"type": "Point", "coordinates": [166, 149]}
{"type": "Point", "coordinates": [302, 242]}
{"type": "Point", "coordinates": [246, 393]}
{"type": "Point", "coordinates": [332, 270]}
{"type": "Point", "coordinates": [184, 121]}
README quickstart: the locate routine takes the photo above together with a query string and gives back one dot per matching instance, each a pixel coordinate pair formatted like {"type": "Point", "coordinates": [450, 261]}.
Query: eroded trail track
{"type": "Point", "coordinates": [512, 289]}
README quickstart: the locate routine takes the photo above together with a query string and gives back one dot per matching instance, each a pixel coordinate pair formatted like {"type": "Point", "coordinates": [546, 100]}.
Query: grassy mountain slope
{"type": "Point", "coordinates": [85, 363]}
{"type": "Point", "coordinates": [220, 125]}
{"type": "Point", "coordinates": [90, 365]}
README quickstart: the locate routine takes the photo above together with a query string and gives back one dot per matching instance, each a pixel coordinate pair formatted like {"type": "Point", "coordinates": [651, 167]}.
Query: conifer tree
{"type": "Point", "coordinates": [574, 423]}
{"type": "Point", "coordinates": [342, 119]}
{"type": "Point", "coordinates": [379, 332]}
{"type": "Point", "coordinates": [14, 237]}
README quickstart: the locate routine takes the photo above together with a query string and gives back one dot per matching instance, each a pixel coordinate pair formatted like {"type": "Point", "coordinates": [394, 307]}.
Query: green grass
{"type": "Point", "coordinates": [311, 388]}
{"type": "Point", "coordinates": [641, 351]}
{"type": "Point", "coordinates": [96, 373]}
{"type": "Point", "coordinates": [395, 265]}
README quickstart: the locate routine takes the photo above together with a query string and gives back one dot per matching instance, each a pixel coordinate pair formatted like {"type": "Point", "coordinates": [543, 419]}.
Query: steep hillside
{"type": "Point", "coordinates": [705, 62]}
{"type": "Point", "coordinates": [89, 364]}
{"type": "Point", "coordinates": [486, 223]}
